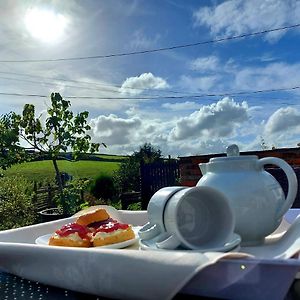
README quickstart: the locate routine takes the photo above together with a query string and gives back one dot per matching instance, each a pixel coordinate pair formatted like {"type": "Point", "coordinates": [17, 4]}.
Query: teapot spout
{"type": "Point", "coordinates": [203, 168]}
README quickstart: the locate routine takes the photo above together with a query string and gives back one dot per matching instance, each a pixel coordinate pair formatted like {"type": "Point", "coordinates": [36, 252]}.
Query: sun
{"type": "Point", "coordinates": [45, 25]}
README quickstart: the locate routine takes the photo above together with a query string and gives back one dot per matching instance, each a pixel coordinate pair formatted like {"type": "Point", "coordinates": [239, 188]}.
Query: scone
{"type": "Point", "coordinates": [112, 233]}
{"type": "Point", "coordinates": [92, 218]}
{"type": "Point", "coordinates": [92, 229]}
{"type": "Point", "coordinates": [71, 235]}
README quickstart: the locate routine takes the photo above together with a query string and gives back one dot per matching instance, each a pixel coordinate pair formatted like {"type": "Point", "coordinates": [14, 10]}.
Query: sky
{"type": "Point", "coordinates": [185, 101]}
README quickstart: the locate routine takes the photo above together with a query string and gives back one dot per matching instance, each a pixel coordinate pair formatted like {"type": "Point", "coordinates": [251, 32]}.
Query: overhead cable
{"type": "Point", "coordinates": [162, 97]}
{"type": "Point", "coordinates": [218, 40]}
{"type": "Point", "coordinates": [106, 85]}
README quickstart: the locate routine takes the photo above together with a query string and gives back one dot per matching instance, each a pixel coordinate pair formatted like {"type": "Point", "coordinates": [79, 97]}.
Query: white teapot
{"type": "Point", "coordinates": [255, 196]}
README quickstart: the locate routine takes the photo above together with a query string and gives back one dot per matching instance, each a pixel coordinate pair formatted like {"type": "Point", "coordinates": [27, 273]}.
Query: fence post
{"type": "Point", "coordinates": [34, 199]}
{"type": "Point", "coordinates": [49, 190]}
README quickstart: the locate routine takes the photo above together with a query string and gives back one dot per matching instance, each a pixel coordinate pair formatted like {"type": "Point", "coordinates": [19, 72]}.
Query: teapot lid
{"type": "Point", "coordinates": [233, 153]}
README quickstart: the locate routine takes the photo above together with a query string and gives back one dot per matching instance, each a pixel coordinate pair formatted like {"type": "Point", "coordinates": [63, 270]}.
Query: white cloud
{"type": "Point", "coordinates": [136, 85]}
{"type": "Point", "coordinates": [113, 130]}
{"type": "Point", "coordinates": [209, 129]}
{"type": "Point", "coordinates": [212, 121]}
{"type": "Point", "coordinates": [235, 17]}
{"type": "Point", "coordinates": [284, 120]}
{"type": "Point", "coordinates": [275, 75]}
{"type": "Point", "coordinates": [202, 64]}
{"type": "Point", "coordinates": [231, 76]}
{"type": "Point", "coordinates": [187, 105]}
{"type": "Point", "coordinates": [282, 129]}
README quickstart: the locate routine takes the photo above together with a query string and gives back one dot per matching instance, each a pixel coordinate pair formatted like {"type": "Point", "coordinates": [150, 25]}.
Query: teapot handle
{"type": "Point", "coordinates": [292, 181]}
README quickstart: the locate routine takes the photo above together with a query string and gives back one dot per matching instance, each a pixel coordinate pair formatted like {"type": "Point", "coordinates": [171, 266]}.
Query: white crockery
{"type": "Point", "coordinates": [255, 196]}
{"type": "Point", "coordinates": [155, 211]}
{"type": "Point", "coordinates": [233, 244]}
{"type": "Point", "coordinates": [197, 218]}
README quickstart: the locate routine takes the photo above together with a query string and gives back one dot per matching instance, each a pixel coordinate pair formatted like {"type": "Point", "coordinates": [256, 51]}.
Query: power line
{"type": "Point", "coordinates": [187, 94]}
{"type": "Point", "coordinates": [244, 35]}
{"type": "Point", "coordinates": [162, 97]}
{"type": "Point", "coordinates": [85, 82]}
{"type": "Point", "coordinates": [23, 95]}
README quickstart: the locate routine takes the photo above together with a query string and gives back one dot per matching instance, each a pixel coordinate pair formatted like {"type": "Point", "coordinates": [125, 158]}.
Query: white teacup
{"type": "Point", "coordinates": [196, 218]}
{"type": "Point", "coordinates": [155, 210]}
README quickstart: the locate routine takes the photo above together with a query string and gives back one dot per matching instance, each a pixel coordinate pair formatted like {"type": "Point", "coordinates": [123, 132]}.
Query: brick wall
{"type": "Point", "coordinates": [190, 172]}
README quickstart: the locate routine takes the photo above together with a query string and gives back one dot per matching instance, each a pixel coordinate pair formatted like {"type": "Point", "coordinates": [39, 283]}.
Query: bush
{"type": "Point", "coordinates": [72, 199]}
{"type": "Point", "coordinates": [103, 187]}
{"type": "Point", "coordinates": [16, 207]}
{"type": "Point", "coordinates": [127, 176]}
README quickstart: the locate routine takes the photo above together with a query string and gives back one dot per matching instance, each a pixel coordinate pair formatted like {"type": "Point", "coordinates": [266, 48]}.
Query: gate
{"type": "Point", "coordinates": [157, 175]}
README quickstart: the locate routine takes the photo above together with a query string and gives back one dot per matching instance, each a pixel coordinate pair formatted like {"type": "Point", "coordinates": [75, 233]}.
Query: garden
{"type": "Point", "coordinates": [61, 160]}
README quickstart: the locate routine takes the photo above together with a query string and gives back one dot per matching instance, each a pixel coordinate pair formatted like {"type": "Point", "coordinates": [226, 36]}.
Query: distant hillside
{"type": "Point", "coordinates": [43, 171]}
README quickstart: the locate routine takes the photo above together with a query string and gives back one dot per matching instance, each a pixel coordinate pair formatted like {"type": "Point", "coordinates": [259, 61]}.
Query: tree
{"type": "Point", "coordinates": [10, 150]}
{"type": "Point", "coordinates": [62, 131]}
{"type": "Point", "coordinates": [148, 154]}
{"type": "Point", "coordinates": [128, 176]}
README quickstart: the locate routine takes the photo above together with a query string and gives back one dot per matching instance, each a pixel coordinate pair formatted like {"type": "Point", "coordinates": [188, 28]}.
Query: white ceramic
{"type": "Point", "coordinates": [231, 245]}
{"type": "Point", "coordinates": [155, 212]}
{"type": "Point", "coordinates": [197, 218]}
{"type": "Point", "coordinates": [255, 195]}
{"type": "Point", "coordinates": [44, 240]}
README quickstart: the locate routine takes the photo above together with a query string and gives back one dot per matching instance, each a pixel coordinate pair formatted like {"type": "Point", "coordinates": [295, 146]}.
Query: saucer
{"type": "Point", "coordinates": [234, 242]}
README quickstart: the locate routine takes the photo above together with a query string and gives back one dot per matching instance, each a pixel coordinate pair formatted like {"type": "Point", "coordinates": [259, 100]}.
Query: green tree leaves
{"type": "Point", "coordinates": [10, 150]}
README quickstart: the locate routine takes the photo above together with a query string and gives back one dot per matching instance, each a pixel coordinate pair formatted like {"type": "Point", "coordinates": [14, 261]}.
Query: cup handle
{"type": "Point", "coordinates": [170, 242]}
{"type": "Point", "coordinates": [149, 231]}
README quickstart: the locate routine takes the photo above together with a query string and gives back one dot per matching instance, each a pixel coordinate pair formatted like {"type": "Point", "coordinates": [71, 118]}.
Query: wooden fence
{"type": "Point", "coordinates": [156, 176]}
{"type": "Point", "coordinates": [43, 197]}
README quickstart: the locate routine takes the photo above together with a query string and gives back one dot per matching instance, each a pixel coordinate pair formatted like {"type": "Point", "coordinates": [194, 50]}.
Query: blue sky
{"type": "Point", "coordinates": [41, 30]}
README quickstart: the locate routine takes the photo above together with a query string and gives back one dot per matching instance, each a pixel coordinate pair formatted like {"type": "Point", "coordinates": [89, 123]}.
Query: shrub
{"type": "Point", "coordinates": [103, 187]}
{"type": "Point", "coordinates": [16, 207]}
{"type": "Point", "coordinates": [127, 176]}
{"type": "Point", "coordinates": [72, 199]}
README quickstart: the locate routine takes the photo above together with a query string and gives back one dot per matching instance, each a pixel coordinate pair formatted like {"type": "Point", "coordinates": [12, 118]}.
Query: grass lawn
{"type": "Point", "coordinates": [43, 170]}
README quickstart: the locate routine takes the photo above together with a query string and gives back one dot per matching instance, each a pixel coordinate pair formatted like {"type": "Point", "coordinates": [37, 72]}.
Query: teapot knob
{"type": "Point", "coordinates": [233, 150]}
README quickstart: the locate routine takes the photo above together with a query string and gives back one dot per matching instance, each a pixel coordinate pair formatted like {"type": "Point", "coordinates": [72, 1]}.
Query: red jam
{"type": "Point", "coordinates": [112, 226]}
{"type": "Point", "coordinates": [72, 228]}
{"type": "Point", "coordinates": [96, 225]}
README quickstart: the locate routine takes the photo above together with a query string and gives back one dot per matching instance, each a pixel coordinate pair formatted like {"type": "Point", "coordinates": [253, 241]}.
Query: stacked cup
{"type": "Point", "coordinates": [194, 218]}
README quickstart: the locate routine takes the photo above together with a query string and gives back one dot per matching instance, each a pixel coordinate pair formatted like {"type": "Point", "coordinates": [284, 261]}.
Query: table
{"type": "Point", "coordinates": [16, 288]}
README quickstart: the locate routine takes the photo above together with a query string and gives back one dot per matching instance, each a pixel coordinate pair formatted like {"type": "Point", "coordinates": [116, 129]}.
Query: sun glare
{"type": "Point", "coordinates": [45, 25]}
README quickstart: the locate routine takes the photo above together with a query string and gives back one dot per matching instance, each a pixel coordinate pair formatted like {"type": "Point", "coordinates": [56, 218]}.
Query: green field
{"type": "Point", "coordinates": [44, 171]}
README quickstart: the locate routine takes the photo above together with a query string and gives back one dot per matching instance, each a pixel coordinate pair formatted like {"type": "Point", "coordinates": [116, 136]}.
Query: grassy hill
{"type": "Point", "coordinates": [44, 171]}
